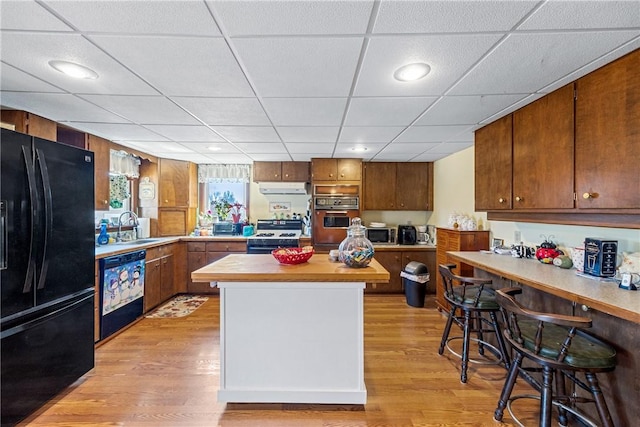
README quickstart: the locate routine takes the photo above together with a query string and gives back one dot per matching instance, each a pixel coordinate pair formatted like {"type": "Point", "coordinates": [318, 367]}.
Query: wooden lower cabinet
{"type": "Point", "coordinates": [456, 240]}
{"type": "Point", "coordinates": [394, 262]}
{"type": "Point", "coordinates": [159, 276]}
{"type": "Point", "coordinates": [200, 254]}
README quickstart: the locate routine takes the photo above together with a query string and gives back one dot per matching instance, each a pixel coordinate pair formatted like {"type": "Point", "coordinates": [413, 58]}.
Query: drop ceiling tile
{"type": "Point", "coordinates": [117, 132]}
{"type": "Point", "coordinates": [204, 147]}
{"type": "Point", "coordinates": [431, 133]}
{"type": "Point", "coordinates": [59, 107]}
{"type": "Point", "coordinates": [412, 148]}
{"type": "Point", "coordinates": [293, 17]}
{"type": "Point", "coordinates": [536, 60]}
{"type": "Point", "coordinates": [28, 15]}
{"type": "Point", "coordinates": [248, 133]}
{"type": "Point", "coordinates": [150, 17]}
{"type": "Point", "coordinates": [113, 77]}
{"type": "Point", "coordinates": [308, 133]}
{"type": "Point", "coordinates": [305, 111]}
{"type": "Point", "coordinates": [160, 146]}
{"type": "Point", "coordinates": [429, 157]}
{"type": "Point", "coordinates": [349, 149]}
{"type": "Point", "coordinates": [392, 156]}
{"type": "Point", "coordinates": [261, 147]}
{"type": "Point", "coordinates": [323, 148]}
{"type": "Point", "coordinates": [449, 56]}
{"type": "Point", "coordinates": [205, 66]}
{"type": "Point", "coordinates": [225, 111]}
{"type": "Point", "coordinates": [186, 133]}
{"type": "Point", "coordinates": [466, 110]}
{"type": "Point", "coordinates": [584, 14]}
{"type": "Point", "coordinates": [143, 109]}
{"type": "Point", "coordinates": [193, 157]}
{"type": "Point", "coordinates": [369, 134]}
{"type": "Point", "coordinates": [229, 159]}
{"type": "Point", "coordinates": [449, 16]}
{"type": "Point", "coordinates": [386, 111]}
{"type": "Point", "coordinates": [12, 79]}
{"type": "Point", "coordinates": [306, 157]}
{"type": "Point", "coordinates": [270, 157]}
{"type": "Point", "coordinates": [284, 67]}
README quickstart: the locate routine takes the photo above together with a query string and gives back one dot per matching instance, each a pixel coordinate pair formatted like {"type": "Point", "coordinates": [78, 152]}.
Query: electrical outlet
{"type": "Point", "coordinates": [516, 237]}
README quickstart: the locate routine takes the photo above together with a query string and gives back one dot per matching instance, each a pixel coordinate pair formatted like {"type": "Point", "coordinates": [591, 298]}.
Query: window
{"type": "Point", "coordinates": [227, 200]}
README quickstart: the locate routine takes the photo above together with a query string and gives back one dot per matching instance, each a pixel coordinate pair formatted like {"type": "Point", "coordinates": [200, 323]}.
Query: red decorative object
{"type": "Point", "coordinates": [292, 255]}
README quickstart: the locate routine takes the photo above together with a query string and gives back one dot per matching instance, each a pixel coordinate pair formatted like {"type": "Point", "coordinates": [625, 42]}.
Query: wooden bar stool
{"type": "Point", "coordinates": [473, 297]}
{"type": "Point", "coordinates": [559, 347]}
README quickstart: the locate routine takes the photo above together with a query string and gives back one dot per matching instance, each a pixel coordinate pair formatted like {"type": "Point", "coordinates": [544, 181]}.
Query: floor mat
{"type": "Point", "coordinates": [180, 306]}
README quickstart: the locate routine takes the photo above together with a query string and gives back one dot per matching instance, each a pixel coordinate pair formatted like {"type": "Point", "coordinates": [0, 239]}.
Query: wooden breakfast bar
{"type": "Point", "coordinates": [291, 333]}
{"type": "Point", "coordinates": [615, 314]}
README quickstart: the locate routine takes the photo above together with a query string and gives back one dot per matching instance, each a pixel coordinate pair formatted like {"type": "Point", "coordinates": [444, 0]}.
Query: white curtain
{"type": "Point", "coordinates": [123, 163]}
{"type": "Point", "coordinates": [224, 173]}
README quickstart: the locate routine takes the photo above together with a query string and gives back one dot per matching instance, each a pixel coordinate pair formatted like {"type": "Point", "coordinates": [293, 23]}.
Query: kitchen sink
{"type": "Point", "coordinates": [137, 242]}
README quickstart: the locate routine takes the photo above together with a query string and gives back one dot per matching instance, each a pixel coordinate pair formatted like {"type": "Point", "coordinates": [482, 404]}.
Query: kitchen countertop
{"type": "Point", "coordinates": [265, 268]}
{"type": "Point", "coordinates": [565, 283]}
{"type": "Point", "coordinates": [121, 248]}
{"type": "Point", "coordinates": [403, 248]}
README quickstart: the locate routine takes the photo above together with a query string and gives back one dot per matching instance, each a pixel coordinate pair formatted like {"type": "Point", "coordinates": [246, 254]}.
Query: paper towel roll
{"type": "Point", "coordinates": [144, 228]}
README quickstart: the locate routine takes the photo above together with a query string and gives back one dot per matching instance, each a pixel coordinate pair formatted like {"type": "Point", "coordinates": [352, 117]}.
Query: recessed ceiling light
{"type": "Point", "coordinates": [214, 148]}
{"type": "Point", "coordinates": [74, 70]}
{"type": "Point", "coordinates": [359, 148]}
{"type": "Point", "coordinates": [411, 72]}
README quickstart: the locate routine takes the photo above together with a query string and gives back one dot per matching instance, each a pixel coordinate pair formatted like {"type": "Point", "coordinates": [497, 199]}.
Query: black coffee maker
{"type": "Point", "coordinates": [407, 235]}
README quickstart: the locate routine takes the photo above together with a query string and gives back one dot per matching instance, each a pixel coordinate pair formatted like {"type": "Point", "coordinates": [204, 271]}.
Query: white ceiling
{"type": "Point", "coordinates": [291, 80]}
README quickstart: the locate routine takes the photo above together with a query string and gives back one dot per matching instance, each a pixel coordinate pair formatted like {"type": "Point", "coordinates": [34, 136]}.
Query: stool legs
{"type": "Point", "coordinates": [501, 342]}
{"type": "Point", "coordinates": [598, 397]}
{"type": "Point", "coordinates": [447, 330]}
{"type": "Point", "coordinates": [509, 382]}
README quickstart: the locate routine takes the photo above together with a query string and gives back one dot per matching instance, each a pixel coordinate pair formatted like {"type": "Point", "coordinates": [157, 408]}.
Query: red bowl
{"type": "Point", "coordinates": [292, 255]}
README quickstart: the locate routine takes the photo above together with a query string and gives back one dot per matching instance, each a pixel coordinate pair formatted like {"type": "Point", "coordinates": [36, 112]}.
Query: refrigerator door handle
{"type": "Point", "coordinates": [48, 216]}
{"type": "Point", "coordinates": [31, 178]}
{"type": "Point", "coordinates": [4, 237]}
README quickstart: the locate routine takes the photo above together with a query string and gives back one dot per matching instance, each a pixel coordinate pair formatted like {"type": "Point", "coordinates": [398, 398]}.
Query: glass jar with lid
{"type": "Point", "coordinates": [356, 250]}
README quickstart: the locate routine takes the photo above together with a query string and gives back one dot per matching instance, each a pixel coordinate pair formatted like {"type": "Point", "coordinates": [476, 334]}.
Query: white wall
{"type": "Point", "coordinates": [454, 192]}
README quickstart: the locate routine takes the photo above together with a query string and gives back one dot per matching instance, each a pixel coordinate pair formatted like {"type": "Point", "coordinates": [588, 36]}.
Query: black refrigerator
{"type": "Point", "coordinates": [47, 270]}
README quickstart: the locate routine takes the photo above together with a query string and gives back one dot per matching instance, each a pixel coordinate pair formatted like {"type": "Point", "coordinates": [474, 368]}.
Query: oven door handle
{"type": "Point", "coordinates": [337, 212]}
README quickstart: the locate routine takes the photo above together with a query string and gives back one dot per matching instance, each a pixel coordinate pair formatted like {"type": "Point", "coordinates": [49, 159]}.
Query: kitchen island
{"type": "Point", "coordinates": [615, 314]}
{"type": "Point", "coordinates": [291, 333]}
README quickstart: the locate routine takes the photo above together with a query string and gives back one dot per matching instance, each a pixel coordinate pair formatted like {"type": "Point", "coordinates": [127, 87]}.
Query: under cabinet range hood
{"type": "Point", "coordinates": [283, 187]}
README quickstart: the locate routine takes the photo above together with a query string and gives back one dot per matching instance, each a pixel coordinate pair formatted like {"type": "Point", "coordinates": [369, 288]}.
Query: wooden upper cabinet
{"type": "Point", "coordinates": [543, 134]}
{"type": "Point", "coordinates": [102, 158]}
{"type": "Point", "coordinates": [494, 165]}
{"type": "Point", "coordinates": [398, 186]}
{"type": "Point", "coordinates": [281, 171]}
{"type": "Point", "coordinates": [336, 169]}
{"type": "Point", "coordinates": [176, 183]}
{"type": "Point", "coordinates": [31, 124]}
{"type": "Point", "coordinates": [608, 136]}
{"type": "Point", "coordinates": [379, 186]}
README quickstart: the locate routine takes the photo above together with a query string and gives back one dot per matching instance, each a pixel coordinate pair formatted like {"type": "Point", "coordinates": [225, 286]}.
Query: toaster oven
{"type": "Point", "coordinates": [381, 235]}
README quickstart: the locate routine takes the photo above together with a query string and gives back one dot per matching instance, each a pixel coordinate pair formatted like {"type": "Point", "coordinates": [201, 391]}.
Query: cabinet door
{"type": "Point", "coordinates": [324, 169]}
{"type": "Point", "coordinates": [195, 260]}
{"type": "Point", "coordinates": [267, 171]}
{"type": "Point", "coordinates": [101, 158]}
{"type": "Point", "coordinates": [172, 222]}
{"type": "Point", "coordinates": [414, 187]}
{"type": "Point", "coordinates": [295, 171]}
{"type": "Point", "coordinates": [152, 280]}
{"type": "Point", "coordinates": [392, 262]}
{"type": "Point", "coordinates": [174, 183]}
{"type": "Point", "coordinates": [166, 279]}
{"type": "Point", "coordinates": [379, 186]}
{"type": "Point", "coordinates": [543, 152]}
{"type": "Point", "coordinates": [349, 169]}
{"type": "Point", "coordinates": [607, 136]}
{"type": "Point", "coordinates": [494, 165]}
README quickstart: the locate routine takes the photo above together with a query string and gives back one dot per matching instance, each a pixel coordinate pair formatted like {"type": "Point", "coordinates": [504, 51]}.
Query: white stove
{"type": "Point", "coordinates": [273, 234]}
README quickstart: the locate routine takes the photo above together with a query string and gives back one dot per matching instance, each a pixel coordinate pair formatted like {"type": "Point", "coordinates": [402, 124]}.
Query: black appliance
{"type": "Point", "coordinates": [47, 270]}
{"type": "Point", "coordinates": [273, 234]}
{"type": "Point", "coordinates": [407, 235]}
{"type": "Point", "coordinates": [121, 290]}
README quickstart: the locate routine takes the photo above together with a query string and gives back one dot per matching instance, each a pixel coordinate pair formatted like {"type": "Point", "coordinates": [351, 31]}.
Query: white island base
{"type": "Point", "coordinates": [292, 342]}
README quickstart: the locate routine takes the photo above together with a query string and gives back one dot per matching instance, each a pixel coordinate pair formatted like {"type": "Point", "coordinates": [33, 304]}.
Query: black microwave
{"type": "Point", "coordinates": [381, 235]}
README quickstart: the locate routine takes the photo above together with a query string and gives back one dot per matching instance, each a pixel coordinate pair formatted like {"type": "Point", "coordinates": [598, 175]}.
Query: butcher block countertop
{"type": "Point", "coordinates": [603, 296]}
{"type": "Point", "coordinates": [265, 268]}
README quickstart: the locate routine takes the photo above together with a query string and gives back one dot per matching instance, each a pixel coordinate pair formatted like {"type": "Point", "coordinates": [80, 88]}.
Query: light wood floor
{"type": "Point", "coordinates": [165, 372]}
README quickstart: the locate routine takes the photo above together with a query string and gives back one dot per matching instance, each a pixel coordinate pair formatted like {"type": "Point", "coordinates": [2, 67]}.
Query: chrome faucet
{"type": "Point", "coordinates": [133, 216]}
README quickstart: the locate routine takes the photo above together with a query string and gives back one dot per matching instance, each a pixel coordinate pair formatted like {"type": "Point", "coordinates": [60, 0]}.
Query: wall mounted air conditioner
{"type": "Point", "coordinates": [283, 188]}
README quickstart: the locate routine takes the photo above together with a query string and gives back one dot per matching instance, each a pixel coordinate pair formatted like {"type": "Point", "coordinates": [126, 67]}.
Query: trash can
{"type": "Point", "coordinates": [414, 279]}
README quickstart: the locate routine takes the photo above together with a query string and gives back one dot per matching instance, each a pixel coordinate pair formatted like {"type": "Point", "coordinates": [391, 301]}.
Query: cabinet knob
{"type": "Point", "coordinates": [106, 202]}
{"type": "Point", "coordinates": [341, 175]}
{"type": "Point", "coordinates": [501, 200]}
{"type": "Point", "coordinates": [276, 175]}
{"type": "Point", "coordinates": [587, 196]}
{"type": "Point", "coordinates": [166, 200]}
{"type": "Point", "coordinates": [286, 175]}
{"type": "Point", "coordinates": [519, 199]}
{"type": "Point", "coordinates": [401, 205]}
{"type": "Point", "coordinates": [330, 175]}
